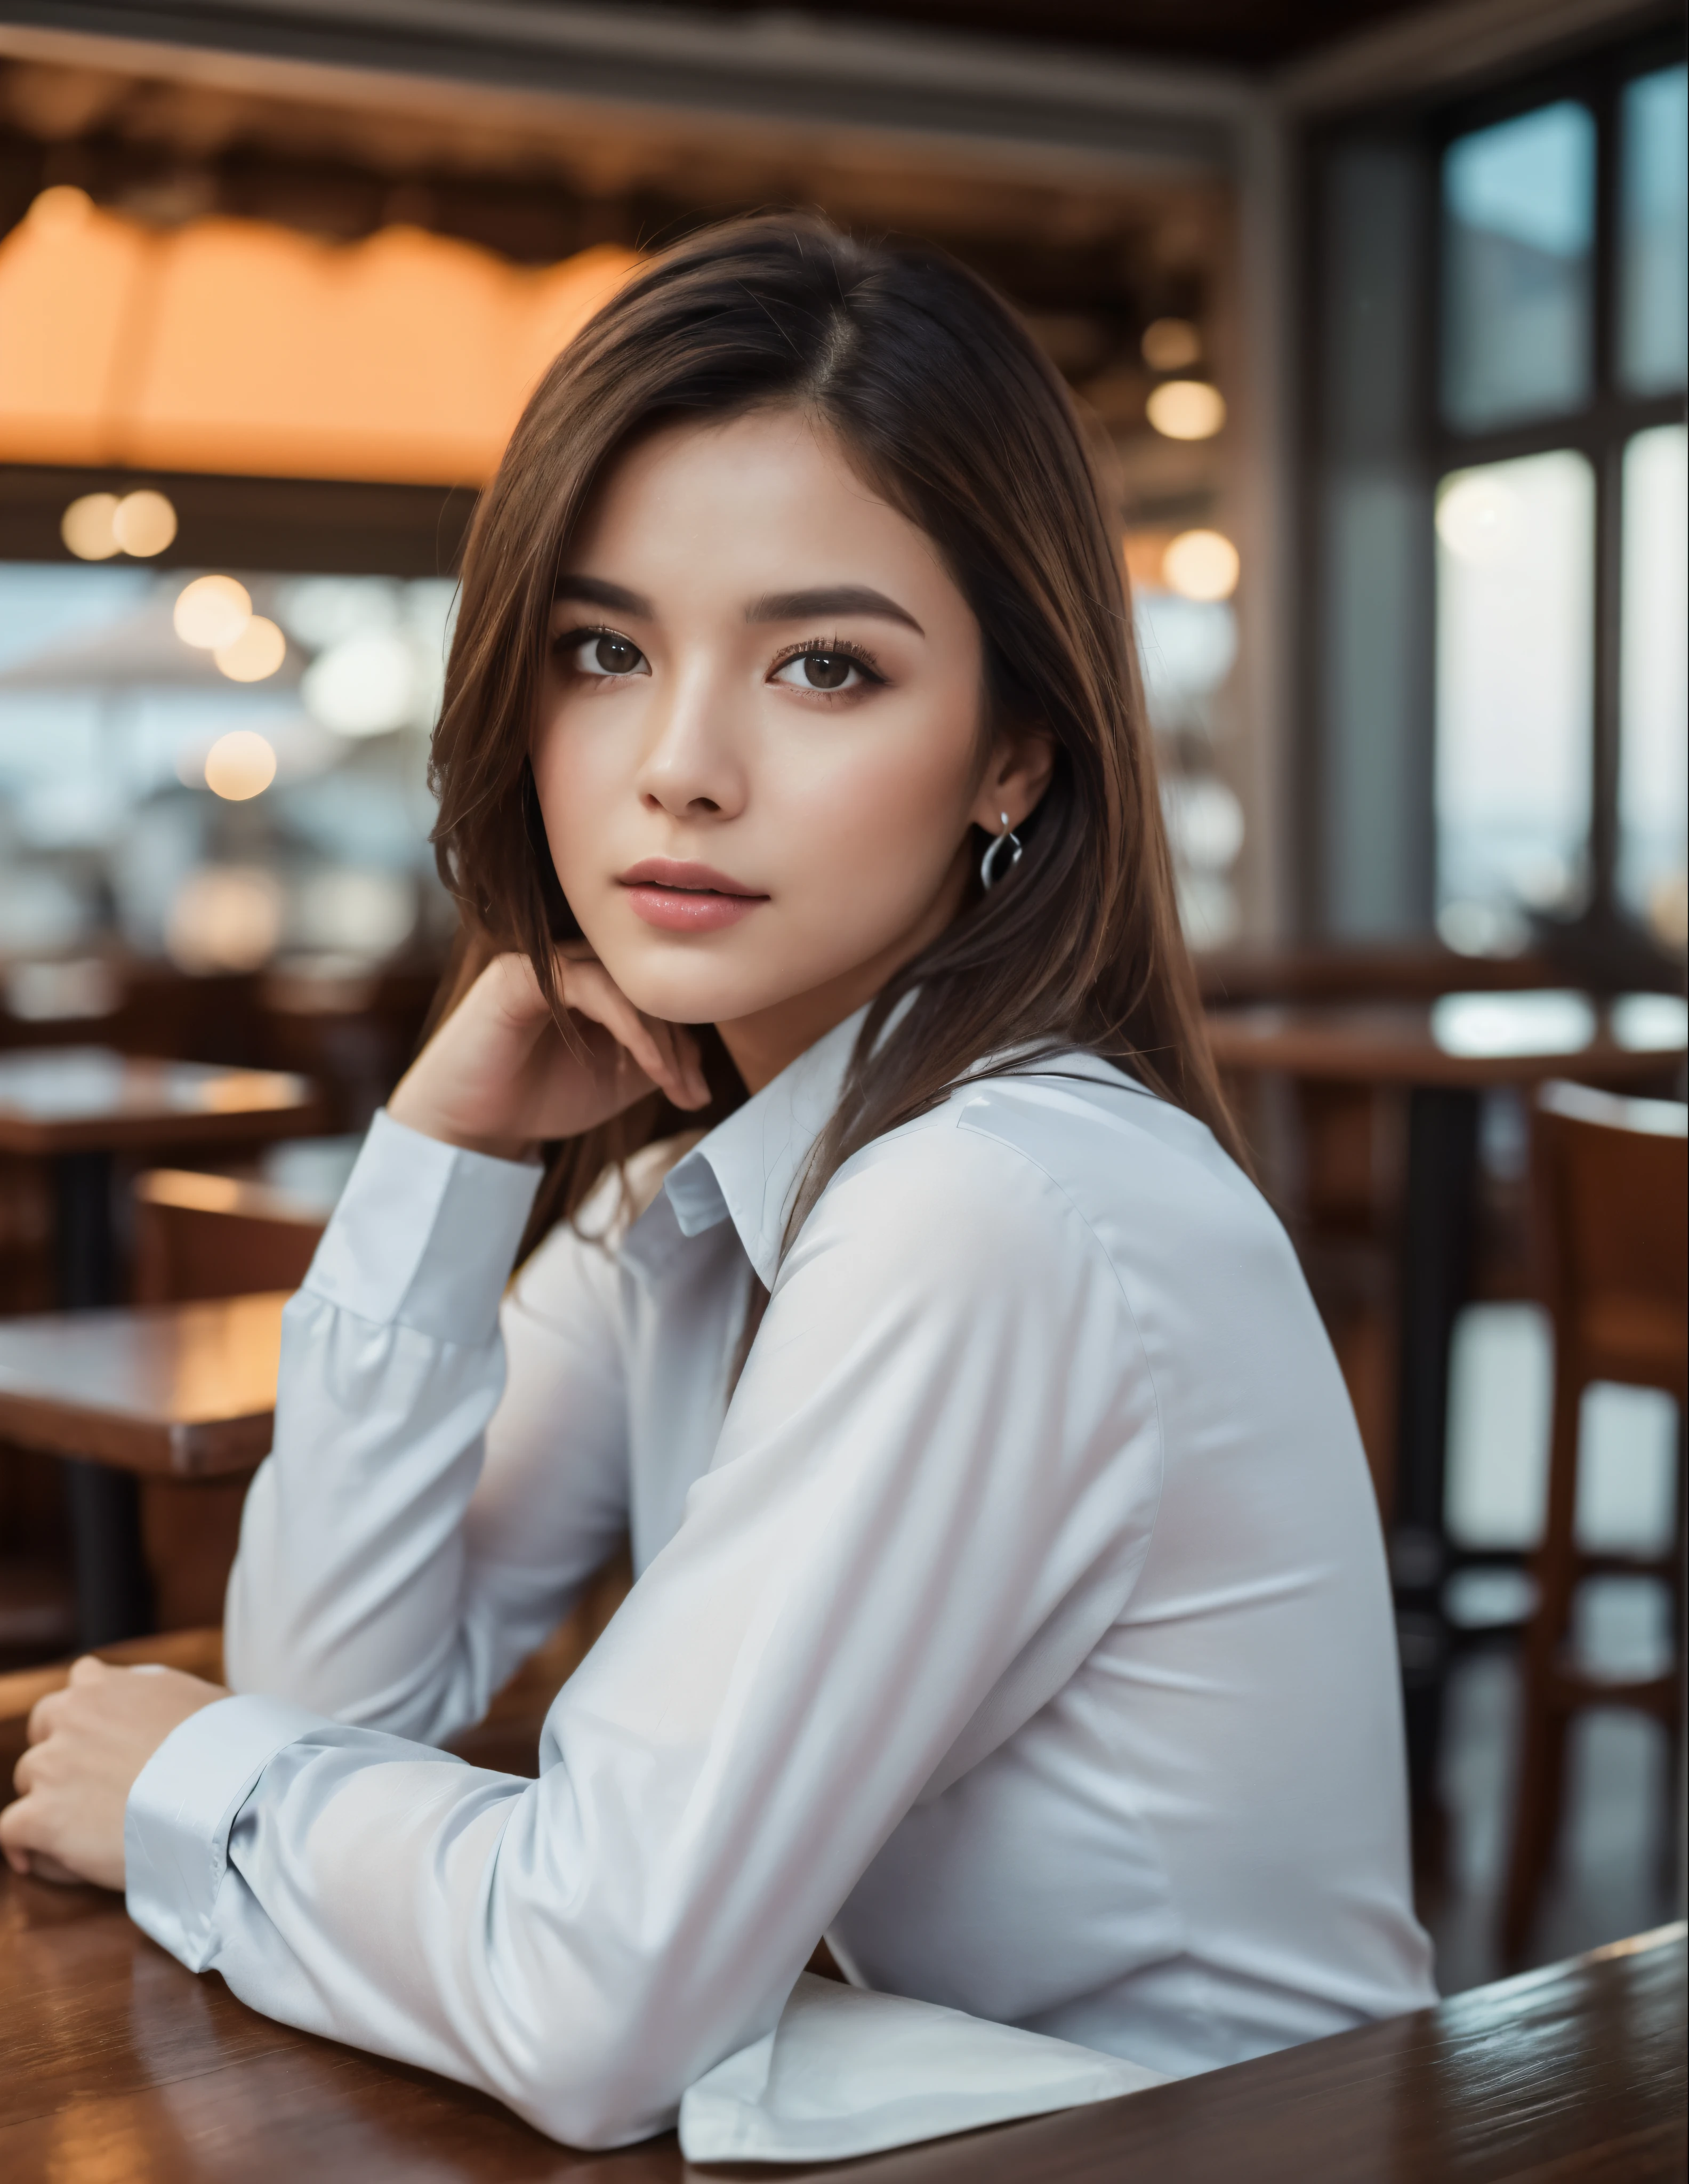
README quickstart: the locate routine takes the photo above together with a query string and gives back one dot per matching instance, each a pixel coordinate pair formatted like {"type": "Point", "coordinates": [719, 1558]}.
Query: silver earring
{"type": "Point", "coordinates": [989, 874]}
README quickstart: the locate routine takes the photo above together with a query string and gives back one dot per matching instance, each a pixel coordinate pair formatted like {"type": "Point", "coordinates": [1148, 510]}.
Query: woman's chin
{"type": "Point", "coordinates": [697, 989]}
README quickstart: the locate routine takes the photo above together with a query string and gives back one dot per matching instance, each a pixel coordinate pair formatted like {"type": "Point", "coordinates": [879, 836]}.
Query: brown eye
{"type": "Point", "coordinates": [615, 655]}
{"type": "Point", "coordinates": [820, 670]}
{"type": "Point", "coordinates": [601, 653]}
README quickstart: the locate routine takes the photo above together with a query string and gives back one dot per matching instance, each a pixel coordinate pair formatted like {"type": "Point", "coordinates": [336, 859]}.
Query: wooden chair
{"type": "Point", "coordinates": [200, 1236]}
{"type": "Point", "coordinates": [506, 1738]}
{"type": "Point", "coordinates": [1332, 1156]}
{"type": "Point", "coordinates": [1611, 1186]}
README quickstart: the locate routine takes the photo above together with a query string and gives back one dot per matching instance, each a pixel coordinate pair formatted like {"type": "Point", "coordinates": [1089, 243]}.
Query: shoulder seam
{"type": "Point", "coordinates": [1061, 1191]}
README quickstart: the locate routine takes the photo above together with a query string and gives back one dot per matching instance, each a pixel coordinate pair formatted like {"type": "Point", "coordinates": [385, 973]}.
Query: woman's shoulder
{"type": "Point", "coordinates": [1017, 1154]}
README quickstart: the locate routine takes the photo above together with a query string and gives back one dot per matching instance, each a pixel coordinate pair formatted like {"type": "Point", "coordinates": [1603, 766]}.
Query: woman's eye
{"type": "Point", "coordinates": [820, 670]}
{"type": "Point", "coordinates": [601, 655]}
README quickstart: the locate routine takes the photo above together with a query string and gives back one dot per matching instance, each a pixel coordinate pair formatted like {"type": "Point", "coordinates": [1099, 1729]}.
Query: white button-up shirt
{"type": "Point", "coordinates": [1023, 1625]}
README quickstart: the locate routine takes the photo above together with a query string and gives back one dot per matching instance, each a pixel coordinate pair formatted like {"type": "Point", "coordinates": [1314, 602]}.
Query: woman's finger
{"type": "Point", "coordinates": [675, 1041]}
{"type": "Point", "coordinates": [589, 988]}
{"type": "Point", "coordinates": [44, 1716]}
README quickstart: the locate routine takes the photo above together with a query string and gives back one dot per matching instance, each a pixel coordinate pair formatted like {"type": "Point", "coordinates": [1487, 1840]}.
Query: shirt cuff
{"type": "Point", "coordinates": [181, 1808]}
{"type": "Point", "coordinates": [425, 1234]}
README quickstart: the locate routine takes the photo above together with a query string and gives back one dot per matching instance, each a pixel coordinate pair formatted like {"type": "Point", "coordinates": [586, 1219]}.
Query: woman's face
{"type": "Point", "coordinates": [759, 748]}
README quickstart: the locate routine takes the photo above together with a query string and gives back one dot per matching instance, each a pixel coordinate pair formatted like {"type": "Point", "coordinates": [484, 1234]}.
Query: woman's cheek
{"type": "Point", "coordinates": [886, 825]}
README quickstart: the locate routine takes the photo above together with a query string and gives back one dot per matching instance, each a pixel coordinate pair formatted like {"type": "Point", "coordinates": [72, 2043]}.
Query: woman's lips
{"type": "Point", "coordinates": [686, 898]}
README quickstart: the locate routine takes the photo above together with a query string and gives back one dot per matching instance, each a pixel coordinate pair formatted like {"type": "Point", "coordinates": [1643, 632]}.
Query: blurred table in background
{"type": "Point", "coordinates": [179, 1391]}
{"type": "Point", "coordinates": [1231, 977]}
{"type": "Point", "coordinates": [1444, 1055]}
{"type": "Point", "coordinates": [176, 1391]}
{"type": "Point", "coordinates": [77, 1109]}
{"type": "Point", "coordinates": [183, 1392]}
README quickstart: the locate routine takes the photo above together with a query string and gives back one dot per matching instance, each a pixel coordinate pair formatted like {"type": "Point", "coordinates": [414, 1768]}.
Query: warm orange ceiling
{"type": "Point", "coordinates": [235, 346]}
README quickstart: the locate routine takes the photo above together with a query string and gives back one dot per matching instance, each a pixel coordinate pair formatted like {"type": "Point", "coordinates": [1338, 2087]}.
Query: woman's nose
{"type": "Point", "coordinates": [692, 768]}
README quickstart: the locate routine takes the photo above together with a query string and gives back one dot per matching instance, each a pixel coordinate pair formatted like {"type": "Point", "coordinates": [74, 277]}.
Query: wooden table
{"type": "Point", "coordinates": [177, 1391]}
{"type": "Point", "coordinates": [79, 1108]}
{"type": "Point", "coordinates": [122, 2066]}
{"type": "Point", "coordinates": [1460, 1041]}
{"type": "Point", "coordinates": [1446, 1054]}
{"type": "Point", "coordinates": [168, 1391]}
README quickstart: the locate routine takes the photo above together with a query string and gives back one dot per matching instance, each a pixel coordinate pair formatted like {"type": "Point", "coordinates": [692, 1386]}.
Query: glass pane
{"type": "Point", "coordinates": [1653, 265]}
{"type": "Point", "coordinates": [1515, 605]}
{"type": "Point", "coordinates": [149, 799]}
{"type": "Point", "coordinates": [1519, 217]}
{"type": "Point", "coordinates": [1653, 768]}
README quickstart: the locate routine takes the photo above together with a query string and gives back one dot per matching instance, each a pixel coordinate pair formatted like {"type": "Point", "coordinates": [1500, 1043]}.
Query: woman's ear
{"type": "Point", "coordinates": [1021, 762]}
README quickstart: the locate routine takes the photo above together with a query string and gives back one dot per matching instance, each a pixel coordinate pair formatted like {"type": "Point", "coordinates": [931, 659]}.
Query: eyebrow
{"type": "Point", "coordinates": [830, 599]}
{"type": "Point", "coordinates": [598, 591]}
{"type": "Point", "coordinates": [773, 606]}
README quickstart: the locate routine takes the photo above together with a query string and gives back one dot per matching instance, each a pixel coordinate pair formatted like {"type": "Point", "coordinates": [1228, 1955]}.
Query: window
{"type": "Point", "coordinates": [1498, 492]}
{"type": "Point", "coordinates": [219, 816]}
{"type": "Point", "coordinates": [1653, 269]}
{"type": "Point", "coordinates": [1518, 214]}
{"type": "Point", "coordinates": [1515, 626]}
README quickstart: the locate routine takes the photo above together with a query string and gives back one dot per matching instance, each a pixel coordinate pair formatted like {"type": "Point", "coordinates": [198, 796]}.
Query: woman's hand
{"type": "Point", "coordinates": [87, 1743]}
{"type": "Point", "coordinates": [498, 1078]}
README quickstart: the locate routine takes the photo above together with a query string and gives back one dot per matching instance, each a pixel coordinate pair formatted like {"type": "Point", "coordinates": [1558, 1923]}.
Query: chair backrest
{"type": "Point", "coordinates": [202, 1236]}
{"type": "Point", "coordinates": [1612, 1181]}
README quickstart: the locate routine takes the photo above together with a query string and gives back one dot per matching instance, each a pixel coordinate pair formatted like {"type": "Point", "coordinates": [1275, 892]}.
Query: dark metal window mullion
{"type": "Point", "coordinates": [1609, 518]}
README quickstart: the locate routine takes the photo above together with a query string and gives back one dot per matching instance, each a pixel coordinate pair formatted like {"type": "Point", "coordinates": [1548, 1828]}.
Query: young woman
{"type": "Point", "coordinates": [1009, 1602]}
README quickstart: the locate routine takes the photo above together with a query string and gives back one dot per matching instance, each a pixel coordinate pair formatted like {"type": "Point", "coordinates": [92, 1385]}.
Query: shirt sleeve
{"type": "Point", "coordinates": [447, 1469]}
{"type": "Point", "coordinates": [932, 1491]}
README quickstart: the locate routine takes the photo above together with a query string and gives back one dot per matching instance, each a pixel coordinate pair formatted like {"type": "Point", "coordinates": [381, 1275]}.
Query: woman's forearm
{"type": "Point", "coordinates": [347, 1590]}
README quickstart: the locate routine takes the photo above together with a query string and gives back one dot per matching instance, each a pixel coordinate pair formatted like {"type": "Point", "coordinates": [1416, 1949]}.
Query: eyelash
{"type": "Point", "coordinates": [858, 654]}
{"type": "Point", "coordinates": [566, 640]}
{"type": "Point", "coordinates": [841, 648]}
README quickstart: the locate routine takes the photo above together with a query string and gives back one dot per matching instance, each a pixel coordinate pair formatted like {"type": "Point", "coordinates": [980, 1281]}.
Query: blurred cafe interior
{"type": "Point", "coordinates": [1380, 309]}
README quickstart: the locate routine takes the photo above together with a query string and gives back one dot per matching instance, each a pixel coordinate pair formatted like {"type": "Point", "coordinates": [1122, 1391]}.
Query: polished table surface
{"type": "Point", "coordinates": [63, 1099]}
{"type": "Point", "coordinates": [179, 1391]}
{"type": "Point", "coordinates": [120, 2066]}
{"type": "Point", "coordinates": [1467, 1040]}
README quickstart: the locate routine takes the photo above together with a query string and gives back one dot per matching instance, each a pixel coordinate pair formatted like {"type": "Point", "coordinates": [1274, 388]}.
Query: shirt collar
{"type": "Point", "coordinates": [748, 1169]}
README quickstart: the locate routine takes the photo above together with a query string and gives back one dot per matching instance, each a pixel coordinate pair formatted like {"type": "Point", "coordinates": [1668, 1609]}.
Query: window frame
{"type": "Point", "coordinates": [1603, 944]}
{"type": "Point", "coordinates": [1600, 430]}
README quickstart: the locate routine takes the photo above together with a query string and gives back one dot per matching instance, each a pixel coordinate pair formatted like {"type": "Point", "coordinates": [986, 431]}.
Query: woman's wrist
{"type": "Point", "coordinates": [416, 1113]}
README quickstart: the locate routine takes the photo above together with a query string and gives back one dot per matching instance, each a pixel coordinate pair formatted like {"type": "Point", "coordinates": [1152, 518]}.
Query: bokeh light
{"type": "Point", "coordinates": [361, 914]}
{"type": "Point", "coordinates": [1170, 345]}
{"type": "Point", "coordinates": [225, 917]}
{"type": "Point", "coordinates": [1186, 410]}
{"type": "Point", "coordinates": [143, 523]}
{"type": "Point", "coordinates": [364, 686]}
{"type": "Point", "coordinates": [211, 612]}
{"type": "Point", "coordinates": [1478, 516]}
{"type": "Point", "coordinates": [239, 765]}
{"type": "Point", "coordinates": [1201, 565]}
{"type": "Point", "coordinates": [87, 526]}
{"type": "Point", "coordinates": [256, 653]}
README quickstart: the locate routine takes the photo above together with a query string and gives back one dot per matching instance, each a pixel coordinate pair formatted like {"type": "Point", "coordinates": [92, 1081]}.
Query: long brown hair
{"type": "Point", "coordinates": [938, 396]}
